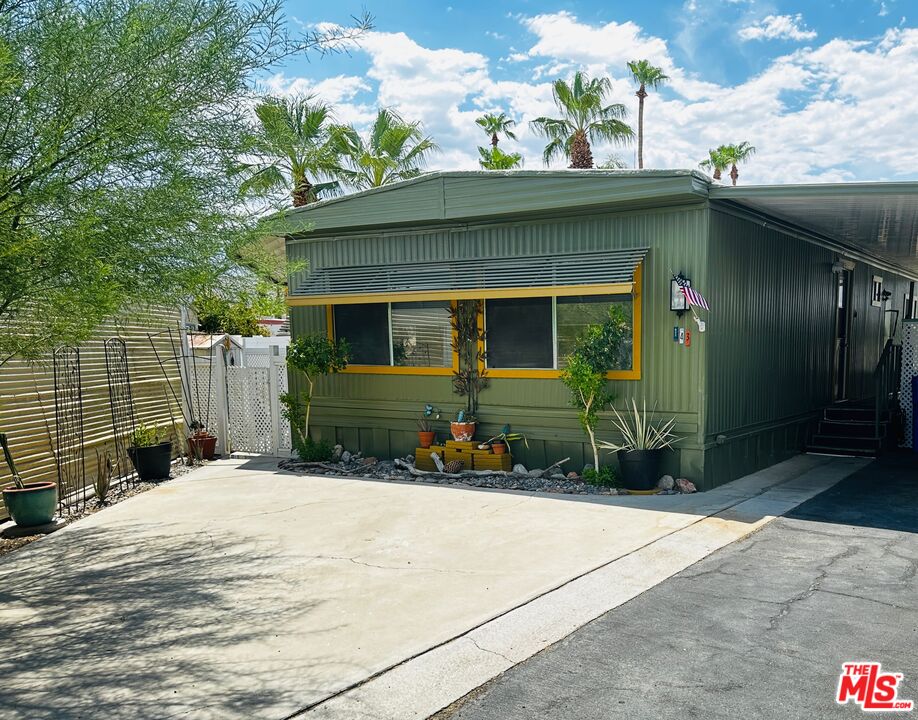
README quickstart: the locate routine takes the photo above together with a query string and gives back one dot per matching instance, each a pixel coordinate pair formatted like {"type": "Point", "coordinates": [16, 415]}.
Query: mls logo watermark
{"type": "Point", "coordinates": [871, 688]}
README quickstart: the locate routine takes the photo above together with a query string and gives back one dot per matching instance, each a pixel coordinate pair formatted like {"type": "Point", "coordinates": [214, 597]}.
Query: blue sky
{"type": "Point", "coordinates": [802, 81]}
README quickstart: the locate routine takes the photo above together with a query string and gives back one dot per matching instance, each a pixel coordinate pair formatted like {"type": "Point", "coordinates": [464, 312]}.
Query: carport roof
{"type": "Point", "coordinates": [875, 219]}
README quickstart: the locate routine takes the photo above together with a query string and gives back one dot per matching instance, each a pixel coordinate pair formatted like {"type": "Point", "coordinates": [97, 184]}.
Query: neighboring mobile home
{"type": "Point", "coordinates": [806, 284]}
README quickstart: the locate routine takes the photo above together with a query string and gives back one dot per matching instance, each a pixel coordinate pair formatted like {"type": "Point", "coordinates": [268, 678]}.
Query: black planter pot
{"type": "Point", "coordinates": [153, 462]}
{"type": "Point", "coordinates": [640, 468]}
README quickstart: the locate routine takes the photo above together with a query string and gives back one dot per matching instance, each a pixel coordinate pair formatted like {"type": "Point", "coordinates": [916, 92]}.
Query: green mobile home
{"type": "Point", "coordinates": [806, 285]}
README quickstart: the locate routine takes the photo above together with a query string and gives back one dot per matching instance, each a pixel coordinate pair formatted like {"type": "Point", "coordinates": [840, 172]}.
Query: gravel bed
{"type": "Point", "coordinates": [387, 470]}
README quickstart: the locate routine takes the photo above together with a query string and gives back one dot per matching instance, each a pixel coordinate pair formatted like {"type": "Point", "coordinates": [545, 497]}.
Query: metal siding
{"type": "Point", "coordinates": [672, 377]}
{"type": "Point", "coordinates": [27, 395]}
{"type": "Point", "coordinates": [772, 335]}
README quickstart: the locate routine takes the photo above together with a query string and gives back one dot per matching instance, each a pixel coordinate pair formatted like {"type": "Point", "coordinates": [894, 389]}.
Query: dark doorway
{"type": "Point", "coordinates": [842, 332]}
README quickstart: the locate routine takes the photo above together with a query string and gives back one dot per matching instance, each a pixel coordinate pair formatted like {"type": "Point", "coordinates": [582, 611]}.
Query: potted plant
{"type": "Point", "coordinates": [202, 445]}
{"type": "Point", "coordinates": [29, 504]}
{"type": "Point", "coordinates": [463, 427]}
{"type": "Point", "coordinates": [500, 442]}
{"type": "Point", "coordinates": [642, 447]}
{"type": "Point", "coordinates": [426, 432]}
{"type": "Point", "coordinates": [151, 455]}
{"type": "Point", "coordinates": [470, 377]}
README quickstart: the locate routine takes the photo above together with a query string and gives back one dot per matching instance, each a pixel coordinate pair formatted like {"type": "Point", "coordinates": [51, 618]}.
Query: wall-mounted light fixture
{"type": "Point", "coordinates": [677, 301]}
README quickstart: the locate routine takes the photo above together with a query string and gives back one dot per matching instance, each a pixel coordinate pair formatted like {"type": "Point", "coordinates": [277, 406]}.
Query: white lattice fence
{"type": "Point", "coordinates": [254, 420]}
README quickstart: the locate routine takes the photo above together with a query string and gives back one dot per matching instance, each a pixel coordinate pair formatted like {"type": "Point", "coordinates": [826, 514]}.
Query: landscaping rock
{"type": "Point", "coordinates": [685, 486]}
{"type": "Point", "coordinates": [345, 457]}
{"type": "Point", "coordinates": [588, 466]}
{"type": "Point", "coordinates": [666, 482]}
{"type": "Point", "coordinates": [574, 476]}
{"type": "Point", "coordinates": [521, 469]}
{"type": "Point", "coordinates": [536, 473]}
{"type": "Point", "coordinates": [337, 452]}
{"type": "Point", "coordinates": [368, 461]}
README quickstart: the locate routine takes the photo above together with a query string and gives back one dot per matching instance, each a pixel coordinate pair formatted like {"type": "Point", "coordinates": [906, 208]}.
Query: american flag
{"type": "Point", "coordinates": [693, 297]}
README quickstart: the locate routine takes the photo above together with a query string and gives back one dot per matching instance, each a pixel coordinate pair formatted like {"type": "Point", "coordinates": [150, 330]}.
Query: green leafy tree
{"type": "Point", "coordinates": [646, 76]}
{"type": "Point", "coordinates": [493, 158]}
{"type": "Point", "coordinates": [717, 162]}
{"type": "Point", "coordinates": [296, 149]}
{"type": "Point", "coordinates": [598, 349]}
{"type": "Point", "coordinates": [585, 119]}
{"type": "Point", "coordinates": [314, 356]}
{"type": "Point", "coordinates": [238, 315]}
{"type": "Point", "coordinates": [394, 150]}
{"type": "Point", "coordinates": [613, 162]}
{"type": "Point", "coordinates": [495, 125]}
{"type": "Point", "coordinates": [123, 122]}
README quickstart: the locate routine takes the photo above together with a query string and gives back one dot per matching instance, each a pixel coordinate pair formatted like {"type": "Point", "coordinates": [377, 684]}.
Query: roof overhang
{"type": "Point", "coordinates": [876, 222]}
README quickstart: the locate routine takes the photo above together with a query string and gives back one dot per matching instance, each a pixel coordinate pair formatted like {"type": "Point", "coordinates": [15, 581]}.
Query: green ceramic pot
{"type": "Point", "coordinates": [34, 504]}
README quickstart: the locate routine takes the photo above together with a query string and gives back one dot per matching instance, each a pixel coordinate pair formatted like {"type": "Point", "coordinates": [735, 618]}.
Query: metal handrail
{"type": "Point", "coordinates": [886, 382]}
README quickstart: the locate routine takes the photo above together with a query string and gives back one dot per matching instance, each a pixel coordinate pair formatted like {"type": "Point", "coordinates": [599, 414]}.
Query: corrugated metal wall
{"type": "Point", "coordinates": [772, 342]}
{"type": "Point", "coordinates": [376, 412]}
{"type": "Point", "coordinates": [27, 394]}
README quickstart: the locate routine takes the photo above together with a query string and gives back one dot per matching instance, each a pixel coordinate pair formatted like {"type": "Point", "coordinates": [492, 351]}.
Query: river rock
{"type": "Point", "coordinates": [666, 482]}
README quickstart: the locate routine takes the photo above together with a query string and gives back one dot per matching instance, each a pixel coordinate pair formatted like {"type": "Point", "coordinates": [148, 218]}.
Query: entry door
{"type": "Point", "coordinates": [842, 333]}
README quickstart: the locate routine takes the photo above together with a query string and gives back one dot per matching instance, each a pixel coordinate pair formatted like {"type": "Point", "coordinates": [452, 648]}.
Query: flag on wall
{"type": "Point", "coordinates": [692, 297]}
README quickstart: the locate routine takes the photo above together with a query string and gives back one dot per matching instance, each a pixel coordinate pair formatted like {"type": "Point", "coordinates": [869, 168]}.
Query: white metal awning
{"type": "Point", "coordinates": [610, 271]}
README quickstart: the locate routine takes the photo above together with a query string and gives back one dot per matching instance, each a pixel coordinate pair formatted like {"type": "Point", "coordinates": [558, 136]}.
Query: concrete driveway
{"type": "Point", "coordinates": [759, 629]}
{"type": "Point", "coordinates": [239, 591]}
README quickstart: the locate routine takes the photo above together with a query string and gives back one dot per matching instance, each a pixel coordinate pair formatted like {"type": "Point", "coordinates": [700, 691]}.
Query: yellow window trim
{"type": "Point", "coordinates": [633, 374]}
{"type": "Point", "coordinates": [634, 289]}
{"type": "Point", "coordinates": [389, 369]}
{"type": "Point", "coordinates": [421, 296]}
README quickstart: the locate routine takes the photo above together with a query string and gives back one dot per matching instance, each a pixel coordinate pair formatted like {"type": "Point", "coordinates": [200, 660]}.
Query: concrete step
{"type": "Point", "coordinates": [850, 428]}
{"type": "Point", "coordinates": [814, 449]}
{"type": "Point", "coordinates": [841, 413]}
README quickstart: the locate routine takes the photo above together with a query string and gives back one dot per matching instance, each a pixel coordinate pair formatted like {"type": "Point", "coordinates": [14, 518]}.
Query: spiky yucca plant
{"type": "Point", "coordinates": [639, 432]}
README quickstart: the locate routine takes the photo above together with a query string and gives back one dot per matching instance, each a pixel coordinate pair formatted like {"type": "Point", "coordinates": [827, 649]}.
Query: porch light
{"type": "Point", "coordinates": [677, 301]}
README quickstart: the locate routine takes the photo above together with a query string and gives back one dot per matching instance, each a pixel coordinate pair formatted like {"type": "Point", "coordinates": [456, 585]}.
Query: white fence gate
{"type": "Point", "coordinates": [237, 396]}
{"type": "Point", "coordinates": [253, 390]}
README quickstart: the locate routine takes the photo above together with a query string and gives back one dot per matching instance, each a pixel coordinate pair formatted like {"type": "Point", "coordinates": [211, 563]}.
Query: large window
{"type": "Point", "coordinates": [539, 333]}
{"type": "Point", "coordinates": [399, 335]}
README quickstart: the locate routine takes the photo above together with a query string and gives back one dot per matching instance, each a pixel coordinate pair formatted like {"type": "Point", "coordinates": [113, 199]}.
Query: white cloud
{"type": "Point", "coordinates": [777, 27]}
{"type": "Point", "coordinates": [561, 34]}
{"type": "Point", "coordinates": [835, 111]}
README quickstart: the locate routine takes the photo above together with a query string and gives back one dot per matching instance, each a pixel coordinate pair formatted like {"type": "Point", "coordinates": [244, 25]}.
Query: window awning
{"type": "Point", "coordinates": [606, 272]}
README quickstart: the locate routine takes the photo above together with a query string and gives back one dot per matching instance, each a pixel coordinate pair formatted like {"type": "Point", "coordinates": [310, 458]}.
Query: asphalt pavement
{"type": "Point", "coordinates": [759, 629]}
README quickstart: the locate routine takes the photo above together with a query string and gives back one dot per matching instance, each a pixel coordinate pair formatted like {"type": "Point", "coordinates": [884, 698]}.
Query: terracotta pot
{"type": "Point", "coordinates": [426, 438]}
{"type": "Point", "coordinates": [462, 431]}
{"type": "Point", "coordinates": [202, 444]}
{"type": "Point", "coordinates": [498, 448]}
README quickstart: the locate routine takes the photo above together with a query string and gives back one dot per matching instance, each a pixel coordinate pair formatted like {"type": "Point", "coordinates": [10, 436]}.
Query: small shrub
{"type": "Point", "coordinates": [605, 477]}
{"type": "Point", "coordinates": [311, 450]}
{"type": "Point", "coordinates": [145, 436]}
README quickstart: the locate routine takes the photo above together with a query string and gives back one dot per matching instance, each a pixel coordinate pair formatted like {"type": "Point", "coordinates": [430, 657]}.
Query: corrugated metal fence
{"type": "Point", "coordinates": [27, 394]}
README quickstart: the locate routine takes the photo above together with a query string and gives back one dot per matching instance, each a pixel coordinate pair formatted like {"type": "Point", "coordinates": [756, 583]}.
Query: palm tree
{"type": "Point", "coordinates": [717, 161]}
{"type": "Point", "coordinates": [395, 150]}
{"type": "Point", "coordinates": [736, 154]}
{"type": "Point", "coordinates": [646, 76]}
{"type": "Point", "coordinates": [293, 149]}
{"type": "Point", "coordinates": [585, 118]}
{"type": "Point", "coordinates": [493, 158]}
{"type": "Point", "coordinates": [495, 125]}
